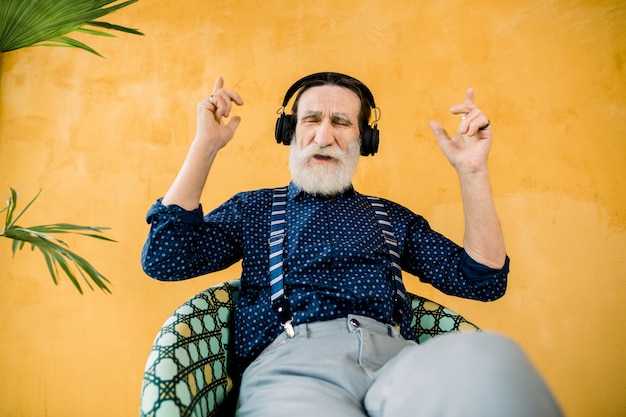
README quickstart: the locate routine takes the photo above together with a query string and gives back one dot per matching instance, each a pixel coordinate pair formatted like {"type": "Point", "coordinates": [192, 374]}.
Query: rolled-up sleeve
{"type": "Point", "coordinates": [445, 265]}
{"type": "Point", "coordinates": [183, 244]}
{"type": "Point", "coordinates": [488, 283]}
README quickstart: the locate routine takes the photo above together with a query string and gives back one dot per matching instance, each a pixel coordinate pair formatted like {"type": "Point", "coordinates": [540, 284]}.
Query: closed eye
{"type": "Point", "coordinates": [341, 121]}
{"type": "Point", "coordinates": [310, 119]}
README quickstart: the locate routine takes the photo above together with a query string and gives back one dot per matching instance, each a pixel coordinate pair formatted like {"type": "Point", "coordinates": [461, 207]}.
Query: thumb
{"type": "Point", "coordinates": [438, 130]}
{"type": "Point", "coordinates": [233, 123]}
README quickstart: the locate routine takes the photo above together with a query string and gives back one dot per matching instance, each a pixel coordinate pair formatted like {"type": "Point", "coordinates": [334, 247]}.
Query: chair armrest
{"type": "Point", "coordinates": [186, 372]}
{"type": "Point", "coordinates": [431, 319]}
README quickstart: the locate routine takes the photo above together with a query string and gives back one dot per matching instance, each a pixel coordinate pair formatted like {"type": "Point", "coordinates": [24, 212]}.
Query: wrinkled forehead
{"type": "Point", "coordinates": [329, 98]}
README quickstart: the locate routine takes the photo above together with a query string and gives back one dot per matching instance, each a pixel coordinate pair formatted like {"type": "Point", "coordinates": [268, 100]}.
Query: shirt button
{"type": "Point", "coordinates": [355, 323]}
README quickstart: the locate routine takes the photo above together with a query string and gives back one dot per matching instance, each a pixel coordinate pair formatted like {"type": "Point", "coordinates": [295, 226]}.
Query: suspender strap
{"type": "Point", "coordinates": [392, 245]}
{"type": "Point", "coordinates": [280, 303]}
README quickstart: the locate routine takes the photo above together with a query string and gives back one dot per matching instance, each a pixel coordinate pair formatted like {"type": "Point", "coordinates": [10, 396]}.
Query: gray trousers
{"type": "Point", "coordinates": [356, 366]}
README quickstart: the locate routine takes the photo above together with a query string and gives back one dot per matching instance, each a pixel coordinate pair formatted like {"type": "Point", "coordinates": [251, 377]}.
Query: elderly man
{"type": "Point", "coordinates": [321, 325]}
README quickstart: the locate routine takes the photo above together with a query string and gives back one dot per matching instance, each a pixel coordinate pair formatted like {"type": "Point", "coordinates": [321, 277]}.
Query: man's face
{"type": "Point", "coordinates": [325, 149]}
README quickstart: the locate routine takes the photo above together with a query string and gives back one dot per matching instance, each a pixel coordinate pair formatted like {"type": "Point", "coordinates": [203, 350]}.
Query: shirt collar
{"type": "Point", "coordinates": [296, 193]}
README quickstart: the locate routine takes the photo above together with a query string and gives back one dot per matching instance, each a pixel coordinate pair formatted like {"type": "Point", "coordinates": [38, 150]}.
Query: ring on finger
{"type": "Point", "coordinates": [212, 99]}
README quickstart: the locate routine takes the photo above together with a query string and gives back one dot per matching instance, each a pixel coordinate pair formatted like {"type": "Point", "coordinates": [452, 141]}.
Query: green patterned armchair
{"type": "Point", "coordinates": [186, 373]}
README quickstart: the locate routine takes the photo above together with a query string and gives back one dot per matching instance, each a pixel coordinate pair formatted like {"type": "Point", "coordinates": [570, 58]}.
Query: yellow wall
{"type": "Point", "coordinates": [105, 137]}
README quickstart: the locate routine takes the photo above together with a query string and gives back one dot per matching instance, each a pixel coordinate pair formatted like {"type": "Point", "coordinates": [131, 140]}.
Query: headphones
{"type": "Point", "coordinates": [286, 123]}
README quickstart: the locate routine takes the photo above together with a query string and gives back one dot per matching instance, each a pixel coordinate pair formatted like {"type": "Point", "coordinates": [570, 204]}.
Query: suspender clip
{"type": "Point", "coordinates": [289, 330]}
{"type": "Point", "coordinates": [276, 239]}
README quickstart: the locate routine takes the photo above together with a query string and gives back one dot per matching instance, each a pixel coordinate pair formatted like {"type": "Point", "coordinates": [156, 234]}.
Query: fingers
{"type": "Point", "coordinates": [472, 118]}
{"type": "Point", "coordinates": [473, 122]}
{"type": "Point", "coordinates": [219, 83]}
{"type": "Point", "coordinates": [467, 106]}
{"type": "Point", "coordinates": [221, 99]}
{"type": "Point", "coordinates": [469, 97]}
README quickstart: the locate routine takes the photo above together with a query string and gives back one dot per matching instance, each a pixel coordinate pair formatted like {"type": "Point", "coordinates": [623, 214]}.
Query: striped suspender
{"type": "Point", "coordinates": [280, 303]}
{"type": "Point", "coordinates": [392, 245]}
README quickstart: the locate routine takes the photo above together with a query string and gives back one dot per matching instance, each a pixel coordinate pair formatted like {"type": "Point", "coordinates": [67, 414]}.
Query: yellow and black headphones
{"type": "Point", "coordinates": [286, 123]}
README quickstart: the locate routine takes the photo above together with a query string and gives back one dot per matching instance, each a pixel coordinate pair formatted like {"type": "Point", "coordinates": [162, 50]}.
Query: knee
{"type": "Point", "coordinates": [485, 347]}
{"type": "Point", "coordinates": [479, 355]}
{"type": "Point", "coordinates": [482, 371]}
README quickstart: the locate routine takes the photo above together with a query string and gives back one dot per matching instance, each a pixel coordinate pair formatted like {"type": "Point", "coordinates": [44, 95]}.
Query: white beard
{"type": "Point", "coordinates": [325, 179]}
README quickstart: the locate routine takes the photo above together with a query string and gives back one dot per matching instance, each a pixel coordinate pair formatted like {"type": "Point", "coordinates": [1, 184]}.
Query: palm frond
{"type": "Point", "coordinates": [114, 27]}
{"type": "Point", "coordinates": [56, 252]}
{"type": "Point", "coordinates": [69, 42]}
{"type": "Point", "coordinates": [12, 205]}
{"type": "Point", "coordinates": [25, 23]}
{"type": "Point", "coordinates": [71, 228]}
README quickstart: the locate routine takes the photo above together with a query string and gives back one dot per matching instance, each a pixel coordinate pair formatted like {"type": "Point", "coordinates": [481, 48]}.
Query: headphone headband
{"type": "Point", "coordinates": [286, 123]}
{"type": "Point", "coordinates": [321, 76]}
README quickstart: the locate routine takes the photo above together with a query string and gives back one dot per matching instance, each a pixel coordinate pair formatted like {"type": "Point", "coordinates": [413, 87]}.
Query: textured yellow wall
{"type": "Point", "coordinates": [105, 137]}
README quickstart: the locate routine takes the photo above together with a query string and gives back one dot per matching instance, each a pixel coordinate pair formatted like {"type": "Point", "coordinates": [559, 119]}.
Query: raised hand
{"type": "Point", "coordinates": [212, 134]}
{"type": "Point", "coordinates": [211, 125]}
{"type": "Point", "coordinates": [468, 149]}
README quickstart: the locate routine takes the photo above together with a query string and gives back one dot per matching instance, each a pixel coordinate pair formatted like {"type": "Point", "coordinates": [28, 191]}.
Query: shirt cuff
{"type": "Point", "coordinates": [174, 213]}
{"type": "Point", "coordinates": [480, 273]}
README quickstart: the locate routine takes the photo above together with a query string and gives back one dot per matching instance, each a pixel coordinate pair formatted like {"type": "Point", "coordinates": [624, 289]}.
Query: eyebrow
{"type": "Point", "coordinates": [334, 115]}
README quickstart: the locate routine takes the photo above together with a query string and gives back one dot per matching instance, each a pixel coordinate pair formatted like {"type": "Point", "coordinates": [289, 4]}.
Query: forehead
{"type": "Point", "coordinates": [329, 98]}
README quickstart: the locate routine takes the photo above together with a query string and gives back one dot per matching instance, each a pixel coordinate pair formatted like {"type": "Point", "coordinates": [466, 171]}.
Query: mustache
{"type": "Point", "coordinates": [314, 149]}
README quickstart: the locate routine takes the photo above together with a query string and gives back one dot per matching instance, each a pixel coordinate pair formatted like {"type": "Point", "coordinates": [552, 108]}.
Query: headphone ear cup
{"type": "Point", "coordinates": [369, 141]}
{"type": "Point", "coordinates": [285, 128]}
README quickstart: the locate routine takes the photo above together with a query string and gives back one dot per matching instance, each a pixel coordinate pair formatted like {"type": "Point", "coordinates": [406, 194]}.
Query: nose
{"type": "Point", "coordinates": [324, 134]}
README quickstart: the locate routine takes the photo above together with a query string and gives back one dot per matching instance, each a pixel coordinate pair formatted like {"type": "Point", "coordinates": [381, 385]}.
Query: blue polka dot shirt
{"type": "Point", "coordinates": [336, 261]}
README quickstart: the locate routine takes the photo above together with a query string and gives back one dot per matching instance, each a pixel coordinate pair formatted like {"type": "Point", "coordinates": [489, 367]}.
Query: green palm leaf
{"type": "Point", "coordinates": [55, 251]}
{"type": "Point", "coordinates": [26, 23]}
